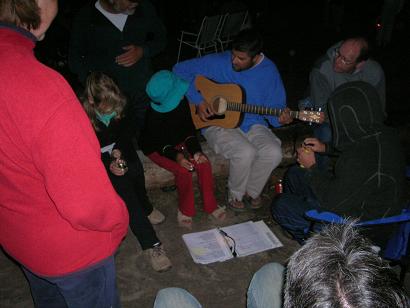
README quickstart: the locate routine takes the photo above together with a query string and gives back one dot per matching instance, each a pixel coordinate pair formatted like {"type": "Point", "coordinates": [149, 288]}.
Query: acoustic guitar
{"type": "Point", "coordinates": [226, 102]}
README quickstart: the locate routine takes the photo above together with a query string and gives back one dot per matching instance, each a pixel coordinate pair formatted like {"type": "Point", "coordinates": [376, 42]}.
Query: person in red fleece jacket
{"type": "Point", "coordinates": [60, 218]}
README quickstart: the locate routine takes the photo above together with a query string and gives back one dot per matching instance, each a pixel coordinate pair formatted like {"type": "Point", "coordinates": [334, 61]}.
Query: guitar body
{"type": "Point", "coordinates": [226, 103]}
{"type": "Point", "coordinates": [211, 92]}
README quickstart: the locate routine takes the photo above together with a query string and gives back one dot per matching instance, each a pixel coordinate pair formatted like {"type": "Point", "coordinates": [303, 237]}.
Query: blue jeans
{"type": "Point", "coordinates": [175, 297]}
{"type": "Point", "coordinates": [290, 207]}
{"type": "Point", "coordinates": [94, 287]}
{"type": "Point", "coordinates": [265, 291]}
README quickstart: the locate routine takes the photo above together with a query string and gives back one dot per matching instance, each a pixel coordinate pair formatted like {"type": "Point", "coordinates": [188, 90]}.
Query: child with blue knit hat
{"type": "Point", "coordinates": [169, 140]}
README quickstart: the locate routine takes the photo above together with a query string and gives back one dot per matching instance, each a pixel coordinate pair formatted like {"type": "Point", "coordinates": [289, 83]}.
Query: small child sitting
{"type": "Point", "coordinates": [169, 140]}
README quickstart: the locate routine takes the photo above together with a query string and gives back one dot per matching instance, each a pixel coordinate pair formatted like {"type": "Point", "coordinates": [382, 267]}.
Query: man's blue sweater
{"type": "Point", "coordinates": [261, 84]}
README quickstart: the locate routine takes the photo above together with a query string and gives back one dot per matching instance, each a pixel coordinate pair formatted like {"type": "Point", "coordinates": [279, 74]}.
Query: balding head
{"type": "Point", "coordinates": [351, 55]}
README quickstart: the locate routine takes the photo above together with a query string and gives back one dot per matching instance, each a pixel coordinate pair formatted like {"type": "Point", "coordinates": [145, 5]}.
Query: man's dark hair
{"type": "Point", "coordinates": [339, 268]}
{"type": "Point", "coordinates": [22, 13]}
{"type": "Point", "coordinates": [249, 41]}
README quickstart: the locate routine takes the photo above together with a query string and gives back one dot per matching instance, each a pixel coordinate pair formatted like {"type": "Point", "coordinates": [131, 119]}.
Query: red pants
{"type": "Point", "coordinates": [183, 181]}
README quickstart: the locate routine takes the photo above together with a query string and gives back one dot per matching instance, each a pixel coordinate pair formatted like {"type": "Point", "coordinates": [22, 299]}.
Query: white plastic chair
{"type": "Point", "coordinates": [205, 39]}
{"type": "Point", "coordinates": [231, 25]}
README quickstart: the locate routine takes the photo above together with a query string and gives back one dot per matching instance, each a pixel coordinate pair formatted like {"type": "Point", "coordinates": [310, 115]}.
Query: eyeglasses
{"type": "Point", "coordinates": [342, 58]}
{"type": "Point", "coordinates": [229, 241]}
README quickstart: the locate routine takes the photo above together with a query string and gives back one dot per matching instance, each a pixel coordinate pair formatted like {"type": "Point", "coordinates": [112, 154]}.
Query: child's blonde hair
{"type": "Point", "coordinates": [100, 90]}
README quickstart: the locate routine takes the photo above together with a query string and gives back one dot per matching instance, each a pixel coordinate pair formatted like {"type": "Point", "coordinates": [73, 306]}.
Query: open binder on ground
{"type": "Point", "coordinates": [221, 244]}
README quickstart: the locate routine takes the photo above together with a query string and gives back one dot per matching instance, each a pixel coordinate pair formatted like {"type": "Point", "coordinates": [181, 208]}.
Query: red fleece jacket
{"type": "Point", "coordinates": [58, 210]}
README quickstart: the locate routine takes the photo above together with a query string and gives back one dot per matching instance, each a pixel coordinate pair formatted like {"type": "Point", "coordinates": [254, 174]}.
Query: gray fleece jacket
{"type": "Point", "coordinates": [324, 80]}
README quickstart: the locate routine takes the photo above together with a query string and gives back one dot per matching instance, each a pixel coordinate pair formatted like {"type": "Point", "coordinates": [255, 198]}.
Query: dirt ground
{"type": "Point", "coordinates": [216, 285]}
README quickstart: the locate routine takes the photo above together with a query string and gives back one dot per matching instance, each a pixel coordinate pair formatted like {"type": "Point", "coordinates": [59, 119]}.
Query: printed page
{"type": "Point", "coordinates": [268, 233]}
{"type": "Point", "coordinates": [207, 246]}
{"type": "Point", "coordinates": [250, 238]}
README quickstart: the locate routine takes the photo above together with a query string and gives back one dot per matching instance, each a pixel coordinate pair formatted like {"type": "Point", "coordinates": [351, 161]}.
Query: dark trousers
{"type": "Point", "coordinates": [136, 172]}
{"type": "Point", "coordinates": [131, 188]}
{"type": "Point", "coordinates": [290, 207]}
{"type": "Point", "coordinates": [323, 132]}
{"type": "Point", "coordinates": [89, 288]}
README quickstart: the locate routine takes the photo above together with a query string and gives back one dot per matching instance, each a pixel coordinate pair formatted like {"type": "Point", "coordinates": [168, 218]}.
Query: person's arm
{"type": "Point", "coordinates": [334, 191]}
{"type": "Point", "coordinates": [67, 155]}
{"type": "Point", "coordinates": [381, 89]}
{"type": "Point", "coordinates": [320, 90]}
{"type": "Point", "coordinates": [275, 95]}
{"type": "Point", "coordinates": [188, 70]}
{"type": "Point", "coordinates": [209, 66]}
{"type": "Point", "coordinates": [191, 141]}
{"type": "Point", "coordinates": [316, 146]}
{"type": "Point", "coordinates": [157, 38]}
{"type": "Point", "coordinates": [77, 52]}
{"type": "Point", "coordinates": [193, 145]}
{"type": "Point", "coordinates": [169, 152]}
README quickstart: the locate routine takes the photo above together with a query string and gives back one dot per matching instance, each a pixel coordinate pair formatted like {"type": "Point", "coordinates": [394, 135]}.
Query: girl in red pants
{"type": "Point", "coordinates": [169, 140]}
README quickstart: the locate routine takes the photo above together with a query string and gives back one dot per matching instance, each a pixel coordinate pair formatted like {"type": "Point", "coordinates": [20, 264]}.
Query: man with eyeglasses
{"type": "Point", "coordinates": [344, 62]}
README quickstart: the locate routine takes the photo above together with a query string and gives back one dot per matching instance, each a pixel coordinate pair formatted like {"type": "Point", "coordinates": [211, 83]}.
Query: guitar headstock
{"type": "Point", "coordinates": [311, 116]}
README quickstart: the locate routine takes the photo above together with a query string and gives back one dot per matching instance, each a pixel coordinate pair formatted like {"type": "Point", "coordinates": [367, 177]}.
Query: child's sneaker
{"type": "Point", "coordinates": [158, 258]}
{"type": "Point", "coordinates": [156, 217]}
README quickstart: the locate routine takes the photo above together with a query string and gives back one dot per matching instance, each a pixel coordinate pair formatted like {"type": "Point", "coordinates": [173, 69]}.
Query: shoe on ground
{"type": "Point", "coordinates": [236, 205]}
{"type": "Point", "coordinates": [255, 203]}
{"type": "Point", "coordinates": [156, 217]}
{"type": "Point", "coordinates": [233, 204]}
{"type": "Point", "coordinates": [158, 258]}
{"type": "Point", "coordinates": [218, 215]}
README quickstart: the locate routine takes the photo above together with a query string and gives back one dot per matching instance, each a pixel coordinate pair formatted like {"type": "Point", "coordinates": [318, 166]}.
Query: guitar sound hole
{"type": "Point", "coordinates": [219, 105]}
{"type": "Point", "coordinates": [217, 117]}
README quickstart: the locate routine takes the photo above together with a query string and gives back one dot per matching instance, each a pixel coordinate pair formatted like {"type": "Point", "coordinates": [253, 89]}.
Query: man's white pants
{"type": "Point", "coordinates": [252, 157]}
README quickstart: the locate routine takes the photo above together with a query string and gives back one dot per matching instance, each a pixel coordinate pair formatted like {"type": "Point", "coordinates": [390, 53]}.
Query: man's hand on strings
{"type": "Point", "coordinates": [204, 111]}
{"type": "Point", "coordinates": [285, 117]}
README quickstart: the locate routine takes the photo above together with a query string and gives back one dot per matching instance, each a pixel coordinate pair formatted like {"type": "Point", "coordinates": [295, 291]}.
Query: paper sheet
{"type": "Point", "coordinates": [249, 238]}
{"type": "Point", "coordinates": [207, 246]}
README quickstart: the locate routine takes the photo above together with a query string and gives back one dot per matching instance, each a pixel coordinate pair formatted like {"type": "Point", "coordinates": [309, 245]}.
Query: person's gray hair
{"type": "Point", "coordinates": [339, 268]}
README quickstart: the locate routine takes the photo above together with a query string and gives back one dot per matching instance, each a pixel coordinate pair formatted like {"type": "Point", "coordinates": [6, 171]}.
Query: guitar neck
{"type": "Point", "coordinates": [259, 109]}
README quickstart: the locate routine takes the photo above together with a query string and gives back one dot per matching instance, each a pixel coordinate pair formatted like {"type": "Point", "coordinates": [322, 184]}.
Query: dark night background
{"type": "Point", "coordinates": [296, 33]}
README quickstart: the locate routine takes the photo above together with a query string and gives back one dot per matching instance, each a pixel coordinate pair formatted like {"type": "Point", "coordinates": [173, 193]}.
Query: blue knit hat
{"type": "Point", "coordinates": [166, 90]}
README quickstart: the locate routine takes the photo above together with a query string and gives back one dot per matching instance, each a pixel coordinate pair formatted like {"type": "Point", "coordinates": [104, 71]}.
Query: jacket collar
{"type": "Point", "coordinates": [24, 32]}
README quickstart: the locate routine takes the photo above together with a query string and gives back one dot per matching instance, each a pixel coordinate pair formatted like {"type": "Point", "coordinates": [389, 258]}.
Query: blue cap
{"type": "Point", "coordinates": [166, 90]}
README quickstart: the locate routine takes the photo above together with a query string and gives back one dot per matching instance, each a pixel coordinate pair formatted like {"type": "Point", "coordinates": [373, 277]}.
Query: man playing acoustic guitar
{"type": "Point", "coordinates": [252, 149]}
